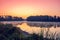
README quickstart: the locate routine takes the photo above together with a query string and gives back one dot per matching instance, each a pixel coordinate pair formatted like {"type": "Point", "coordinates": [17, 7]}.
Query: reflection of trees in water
{"type": "Point", "coordinates": [10, 32]}
{"type": "Point", "coordinates": [43, 24]}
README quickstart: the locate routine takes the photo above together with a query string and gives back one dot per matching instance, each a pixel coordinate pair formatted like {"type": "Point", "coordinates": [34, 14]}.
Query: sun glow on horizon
{"type": "Point", "coordinates": [25, 8]}
{"type": "Point", "coordinates": [22, 11]}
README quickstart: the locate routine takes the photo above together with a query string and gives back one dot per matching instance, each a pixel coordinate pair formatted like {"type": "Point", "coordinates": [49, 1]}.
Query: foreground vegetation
{"type": "Point", "coordinates": [10, 32]}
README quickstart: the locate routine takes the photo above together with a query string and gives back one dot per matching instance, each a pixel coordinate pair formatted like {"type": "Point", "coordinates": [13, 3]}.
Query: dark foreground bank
{"type": "Point", "coordinates": [10, 32]}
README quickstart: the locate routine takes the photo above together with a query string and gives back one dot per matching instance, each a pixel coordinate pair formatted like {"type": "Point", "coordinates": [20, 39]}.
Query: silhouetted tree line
{"type": "Point", "coordinates": [45, 18]}
{"type": "Point", "coordinates": [10, 18]}
{"type": "Point", "coordinates": [42, 18]}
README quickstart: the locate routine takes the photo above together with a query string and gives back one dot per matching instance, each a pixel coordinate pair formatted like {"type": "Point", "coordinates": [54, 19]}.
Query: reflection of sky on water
{"type": "Point", "coordinates": [29, 29]}
{"type": "Point", "coordinates": [36, 27]}
{"type": "Point", "coordinates": [52, 30]}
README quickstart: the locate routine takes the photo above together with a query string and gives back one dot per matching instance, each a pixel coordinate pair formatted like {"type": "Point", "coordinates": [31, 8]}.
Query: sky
{"type": "Point", "coordinates": [25, 8]}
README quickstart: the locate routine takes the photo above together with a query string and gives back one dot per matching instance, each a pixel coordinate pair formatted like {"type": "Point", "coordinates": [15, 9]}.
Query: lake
{"type": "Point", "coordinates": [50, 28]}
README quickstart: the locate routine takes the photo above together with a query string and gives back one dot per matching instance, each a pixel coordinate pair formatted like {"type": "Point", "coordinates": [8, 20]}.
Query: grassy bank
{"type": "Point", "coordinates": [10, 32]}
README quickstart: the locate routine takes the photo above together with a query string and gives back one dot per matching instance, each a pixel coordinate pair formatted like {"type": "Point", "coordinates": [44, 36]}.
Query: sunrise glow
{"type": "Point", "coordinates": [25, 8]}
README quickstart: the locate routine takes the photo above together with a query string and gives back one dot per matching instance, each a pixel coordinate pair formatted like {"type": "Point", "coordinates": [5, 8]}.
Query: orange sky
{"type": "Point", "coordinates": [25, 8]}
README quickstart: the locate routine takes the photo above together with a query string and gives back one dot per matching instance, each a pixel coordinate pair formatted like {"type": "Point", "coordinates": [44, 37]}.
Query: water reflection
{"type": "Point", "coordinates": [48, 29]}
{"type": "Point", "coordinates": [15, 23]}
{"type": "Point", "coordinates": [43, 24]}
{"type": "Point", "coordinates": [29, 29]}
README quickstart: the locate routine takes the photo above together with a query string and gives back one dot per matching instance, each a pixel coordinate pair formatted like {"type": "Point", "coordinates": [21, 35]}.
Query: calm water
{"type": "Point", "coordinates": [51, 28]}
